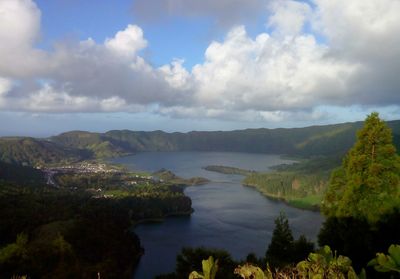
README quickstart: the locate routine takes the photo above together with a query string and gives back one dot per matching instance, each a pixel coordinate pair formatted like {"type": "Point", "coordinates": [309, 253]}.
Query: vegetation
{"type": "Point", "coordinates": [82, 227]}
{"type": "Point", "coordinates": [367, 185]}
{"type": "Point", "coordinates": [191, 259]}
{"type": "Point", "coordinates": [228, 170]}
{"type": "Point", "coordinates": [299, 189]}
{"type": "Point", "coordinates": [20, 175]}
{"type": "Point", "coordinates": [387, 263]}
{"type": "Point", "coordinates": [169, 177]}
{"type": "Point", "coordinates": [323, 264]}
{"type": "Point", "coordinates": [329, 140]}
{"type": "Point", "coordinates": [302, 184]}
{"type": "Point", "coordinates": [53, 234]}
{"type": "Point", "coordinates": [33, 152]}
{"type": "Point", "coordinates": [362, 202]}
{"type": "Point", "coordinates": [283, 249]}
{"type": "Point", "coordinates": [210, 268]}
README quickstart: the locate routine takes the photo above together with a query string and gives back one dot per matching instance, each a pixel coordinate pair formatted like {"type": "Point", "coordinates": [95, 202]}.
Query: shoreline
{"type": "Point", "coordinates": [282, 199]}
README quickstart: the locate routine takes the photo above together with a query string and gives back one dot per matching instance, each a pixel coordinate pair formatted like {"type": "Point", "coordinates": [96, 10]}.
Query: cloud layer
{"type": "Point", "coordinates": [328, 53]}
{"type": "Point", "coordinates": [224, 13]}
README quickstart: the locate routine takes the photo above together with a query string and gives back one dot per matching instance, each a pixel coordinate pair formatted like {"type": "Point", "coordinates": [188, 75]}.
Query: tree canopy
{"type": "Point", "coordinates": [367, 185]}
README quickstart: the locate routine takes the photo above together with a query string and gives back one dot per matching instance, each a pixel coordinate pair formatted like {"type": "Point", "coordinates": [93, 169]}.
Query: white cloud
{"type": "Point", "coordinates": [176, 75]}
{"type": "Point", "coordinates": [5, 86]}
{"type": "Point", "coordinates": [288, 17]}
{"type": "Point", "coordinates": [128, 42]}
{"type": "Point", "coordinates": [268, 73]}
{"type": "Point", "coordinates": [19, 29]}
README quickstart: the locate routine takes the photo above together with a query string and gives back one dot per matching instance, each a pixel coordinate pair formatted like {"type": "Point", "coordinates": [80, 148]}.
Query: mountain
{"type": "Point", "coordinates": [33, 152]}
{"type": "Point", "coordinates": [100, 145]}
{"type": "Point", "coordinates": [311, 141]}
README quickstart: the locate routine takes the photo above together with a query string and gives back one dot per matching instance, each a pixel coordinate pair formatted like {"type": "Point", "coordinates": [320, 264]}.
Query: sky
{"type": "Point", "coordinates": [183, 65]}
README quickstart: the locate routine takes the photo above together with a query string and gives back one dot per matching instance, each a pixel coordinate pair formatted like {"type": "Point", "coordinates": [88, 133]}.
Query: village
{"type": "Point", "coordinates": [92, 168]}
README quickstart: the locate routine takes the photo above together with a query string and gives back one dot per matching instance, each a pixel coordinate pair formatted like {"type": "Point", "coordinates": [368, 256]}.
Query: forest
{"type": "Point", "coordinates": [78, 232]}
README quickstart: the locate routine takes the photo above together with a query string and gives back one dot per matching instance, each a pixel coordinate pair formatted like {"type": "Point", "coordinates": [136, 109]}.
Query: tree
{"type": "Point", "coordinates": [280, 249]}
{"type": "Point", "coordinates": [367, 185]}
{"type": "Point", "coordinates": [283, 249]}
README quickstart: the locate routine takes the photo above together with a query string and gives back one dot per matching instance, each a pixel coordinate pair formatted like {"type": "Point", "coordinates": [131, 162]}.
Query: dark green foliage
{"type": "Point", "coordinates": [359, 240]}
{"type": "Point", "coordinates": [326, 264]}
{"type": "Point", "coordinates": [279, 252]}
{"type": "Point", "coordinates": [283, 249]}
{"type": "Point", "coordinates": [367, 185]}
{"type": "Point", "coordinates": [388, 263]}
{"type": "Point", "coordinates": [363, 199]}
{"type": "Point", "coordinates": [301, 248]}
{"type": "Point", "coordinates": [253, 259]}
{"type": "Point", "coordinates": [190, 259]}
{"type": "Point", "coordinates": [71, 234]}
{"type": "Point", "coordinates": [21, 175]}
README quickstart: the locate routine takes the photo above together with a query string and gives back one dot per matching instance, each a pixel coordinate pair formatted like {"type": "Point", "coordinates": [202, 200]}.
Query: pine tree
{"type": "Point", "coordinates": [367, 184]}
{"type": "Point", "coordinates": [280, 249]}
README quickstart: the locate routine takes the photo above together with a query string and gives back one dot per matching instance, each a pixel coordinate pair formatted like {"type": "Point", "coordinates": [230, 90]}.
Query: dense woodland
{"type": "Point", "coordinates": [73, 231]}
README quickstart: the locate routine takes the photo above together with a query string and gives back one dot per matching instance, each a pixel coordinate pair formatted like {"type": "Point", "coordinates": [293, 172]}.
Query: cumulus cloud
{"type": "Point", "coordinates": [268, 73]}
{"type": "Point", "coordinates": [77, 76]}
{"type": "Point", "coordinates": [331, 53]}
{"type": "Point", "coordinates": [288, 17]}
{"type": "Point", "coordinates": [19, 29]}
{"type": "Point", "coordinates": [128, 42]}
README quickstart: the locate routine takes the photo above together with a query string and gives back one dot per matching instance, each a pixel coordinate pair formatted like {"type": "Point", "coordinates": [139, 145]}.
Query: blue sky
{"type": "Point", "coordinates": [63, 19]}
{"type": "Point", "coordinates": [181, 65]}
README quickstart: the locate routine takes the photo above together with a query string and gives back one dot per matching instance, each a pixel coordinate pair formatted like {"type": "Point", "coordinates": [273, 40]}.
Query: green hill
{"type": "Point", "coordinates": [98, 144]}
{"type": "Point", "coordinates": [306, 142]}
{"type": "Point", "coordinates": [311, 141]}
{"type": "Point", "coordinates": [33, 152]}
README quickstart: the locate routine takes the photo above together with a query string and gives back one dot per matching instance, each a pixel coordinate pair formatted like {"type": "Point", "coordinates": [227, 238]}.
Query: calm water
{"type": "Point", "coordinates": [227, 215]}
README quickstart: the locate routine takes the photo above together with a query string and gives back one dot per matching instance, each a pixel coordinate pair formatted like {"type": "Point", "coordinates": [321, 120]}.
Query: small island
{"type": "Point", "coordinates": [228, 170]}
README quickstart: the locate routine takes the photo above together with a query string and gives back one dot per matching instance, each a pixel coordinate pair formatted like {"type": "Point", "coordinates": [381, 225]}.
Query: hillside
{"type": "Point", "coordinates": [30, 151]}
{"type": "Point", "coordinates": [306, 142]}
{"type": "Point", "coordinates": [311, 141]}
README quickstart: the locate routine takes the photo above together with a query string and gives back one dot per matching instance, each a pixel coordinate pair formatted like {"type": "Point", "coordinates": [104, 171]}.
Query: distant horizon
{"type": "Point", "coordinates": [183, 132]}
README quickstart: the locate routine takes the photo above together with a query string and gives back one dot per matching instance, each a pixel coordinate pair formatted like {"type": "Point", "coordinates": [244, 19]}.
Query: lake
{"type": "Point", "coordinates": [226, 214]}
